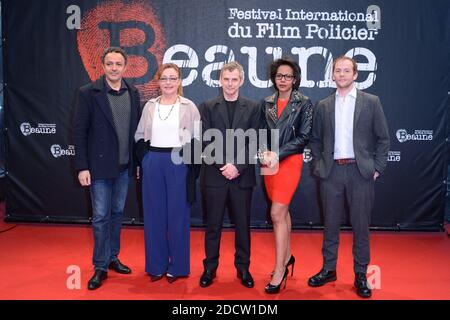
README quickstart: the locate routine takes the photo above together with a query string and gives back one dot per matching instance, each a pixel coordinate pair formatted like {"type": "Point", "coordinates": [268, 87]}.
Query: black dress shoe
{"type": "Point", "coordinates": [321, 278]}
{"type": "Point", "coordinates": [362, 289]}
{"type": "Point", "coordinates": [207, 278]}
{"type": "Point", "coordinates": [246, 278]}
{"type": "Point", "coordinates": [96, 281]}
{"type": "Point", "coordinates": [118, 267]}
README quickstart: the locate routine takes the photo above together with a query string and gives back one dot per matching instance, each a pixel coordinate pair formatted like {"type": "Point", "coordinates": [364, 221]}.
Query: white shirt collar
{"type": "Point", "coordinates": [352, 93]}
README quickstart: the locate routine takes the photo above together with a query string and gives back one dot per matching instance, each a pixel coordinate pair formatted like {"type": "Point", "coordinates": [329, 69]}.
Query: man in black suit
{"type": "Point", "coordinates": [107, 115]}
{"type": "Point", "coordinates": [228, 176]}
{"type": "Point", "coordinates": [350, 144]}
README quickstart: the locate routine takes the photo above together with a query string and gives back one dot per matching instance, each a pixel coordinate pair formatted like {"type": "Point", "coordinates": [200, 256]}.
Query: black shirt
{"type": "Point", "coordinates": [231, 107]}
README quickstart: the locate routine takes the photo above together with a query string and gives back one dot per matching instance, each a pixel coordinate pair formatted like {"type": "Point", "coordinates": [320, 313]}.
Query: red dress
{"type": "Point", "coordinates": [282, 185]}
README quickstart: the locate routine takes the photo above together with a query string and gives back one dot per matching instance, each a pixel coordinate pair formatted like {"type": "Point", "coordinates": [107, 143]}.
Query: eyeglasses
{"type": "Point", "coordinates": [287, 77]}
{"type": "Point", "coordinates": [170, 79]}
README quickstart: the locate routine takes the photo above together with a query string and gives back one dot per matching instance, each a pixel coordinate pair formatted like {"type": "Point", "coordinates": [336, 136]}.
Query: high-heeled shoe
{"type": "Point", "coordinates": [291, 262]}
{"type": "Point", "coordinates": [272, 289]}
{"type": "Point", "coordinates": [154, 278]}
{"type": "Point", "coordinates": [171, 278]}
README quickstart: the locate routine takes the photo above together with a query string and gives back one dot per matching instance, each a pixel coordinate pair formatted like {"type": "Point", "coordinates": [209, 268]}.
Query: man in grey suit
{"type": "Point", "coordinates": [349, 143]}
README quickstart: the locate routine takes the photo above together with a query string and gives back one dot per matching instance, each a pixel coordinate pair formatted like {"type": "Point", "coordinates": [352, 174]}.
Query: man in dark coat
{"type": "Point", "coordinates": [107, 114]}
{"type": "Point", "coordinates": [228, 175]}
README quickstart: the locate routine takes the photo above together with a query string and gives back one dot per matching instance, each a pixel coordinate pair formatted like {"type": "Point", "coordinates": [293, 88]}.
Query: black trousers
{"type": "Point", "coordinates": [346, 183]}
{"type": "Point", "coordinates": [238, 201]}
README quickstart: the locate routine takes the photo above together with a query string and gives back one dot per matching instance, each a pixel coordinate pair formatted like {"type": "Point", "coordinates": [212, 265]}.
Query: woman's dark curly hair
{"type": "Point", "coordinates": [286, 62]}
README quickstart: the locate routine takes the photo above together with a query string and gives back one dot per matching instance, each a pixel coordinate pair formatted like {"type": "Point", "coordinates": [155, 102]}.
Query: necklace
{"type": "Point", "coordinates": [168, 115]}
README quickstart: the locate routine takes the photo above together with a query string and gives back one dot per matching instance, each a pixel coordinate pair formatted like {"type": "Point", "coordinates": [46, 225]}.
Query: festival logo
{"type": "Point", "coordinates": [132, 25]}
{"type": "Point", "coordinates": [58, 151]}
{"type": "Point", "coordinates": [418, 135]}
{"type": "Point", "coordinates": [394, 156]}
{"type": "Point", "coordinates": [42, 128]}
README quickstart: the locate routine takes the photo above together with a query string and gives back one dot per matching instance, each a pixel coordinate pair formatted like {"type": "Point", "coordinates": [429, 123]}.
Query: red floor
{"type": "Point", "coordinates": [34, 260]}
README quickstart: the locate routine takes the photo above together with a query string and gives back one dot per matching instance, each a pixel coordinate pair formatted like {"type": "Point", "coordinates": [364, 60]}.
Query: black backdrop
{"type": "Point", "coordinates": [53, 47]}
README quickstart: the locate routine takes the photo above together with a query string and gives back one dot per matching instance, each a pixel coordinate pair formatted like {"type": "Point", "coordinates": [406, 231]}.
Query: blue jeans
{"type": "Point", "coordinates": [108, 200]}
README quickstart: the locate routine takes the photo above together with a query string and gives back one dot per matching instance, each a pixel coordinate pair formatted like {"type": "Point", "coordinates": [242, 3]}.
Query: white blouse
{"type": "Point", "coordinates": [165, 126]}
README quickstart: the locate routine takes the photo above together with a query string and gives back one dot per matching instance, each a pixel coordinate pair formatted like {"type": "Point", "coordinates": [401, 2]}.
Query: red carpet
{"type": "Point", "coordinates": [34, 260]}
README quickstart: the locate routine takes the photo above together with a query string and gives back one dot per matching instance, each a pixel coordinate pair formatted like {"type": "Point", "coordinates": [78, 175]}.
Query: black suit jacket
{"type": "Point", "coordinates": [215, 116]}
{"type": "Point", "coordinates": [95, 138]}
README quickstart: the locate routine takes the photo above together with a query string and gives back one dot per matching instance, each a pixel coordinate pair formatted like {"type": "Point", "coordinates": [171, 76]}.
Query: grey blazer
{"type": "Point", "coordinates": [370, 135]}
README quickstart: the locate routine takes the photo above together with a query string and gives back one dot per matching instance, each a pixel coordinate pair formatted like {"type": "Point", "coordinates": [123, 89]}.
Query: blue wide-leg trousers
{"type": "Point", "coordinates": [166, 215]}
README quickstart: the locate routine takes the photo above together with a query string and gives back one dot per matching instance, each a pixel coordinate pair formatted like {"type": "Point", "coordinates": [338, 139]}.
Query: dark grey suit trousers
{"type": "Point", "coordinates": [346, 182]}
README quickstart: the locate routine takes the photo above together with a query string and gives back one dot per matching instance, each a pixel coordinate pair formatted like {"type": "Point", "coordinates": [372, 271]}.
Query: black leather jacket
{"type": "Point", "coordinates": [294, 124]}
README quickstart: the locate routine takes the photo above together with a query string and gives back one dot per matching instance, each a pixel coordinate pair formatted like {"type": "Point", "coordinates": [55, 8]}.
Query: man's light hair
{"type": "Point", "coordinates": [354, 64]}
{"type": "Point", "coordinates": [231, 66]}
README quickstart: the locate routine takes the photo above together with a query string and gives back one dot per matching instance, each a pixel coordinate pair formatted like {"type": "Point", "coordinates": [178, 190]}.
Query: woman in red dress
{"type": "Point", "coordinates": [291, 113]}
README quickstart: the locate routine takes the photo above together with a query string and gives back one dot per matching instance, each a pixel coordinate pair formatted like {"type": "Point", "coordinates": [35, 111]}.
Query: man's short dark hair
{"type": "Point", "coordinates": [286, 62]}
{"type": "Point", "coordinates": [114, 50]}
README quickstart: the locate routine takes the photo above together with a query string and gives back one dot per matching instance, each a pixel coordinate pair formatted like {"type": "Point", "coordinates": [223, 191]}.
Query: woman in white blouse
{"type": "Point", "coordinates": [168, 123]}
